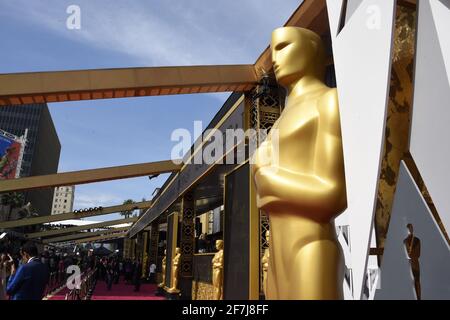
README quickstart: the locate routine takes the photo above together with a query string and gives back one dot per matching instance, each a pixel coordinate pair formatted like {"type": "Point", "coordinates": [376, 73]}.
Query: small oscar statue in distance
{"type": "Point", "coordinates": [175, 271]}
{"type": "Point", "coordinates": [217, 271]}
{"type": "Point", "coordinates": [412, 245]}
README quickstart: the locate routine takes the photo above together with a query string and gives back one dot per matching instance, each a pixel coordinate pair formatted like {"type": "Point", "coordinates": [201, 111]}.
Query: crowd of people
{"type": "Point", "coordinates": [111, 269]}
{"type": "Point", "coordinates": [26, 276]}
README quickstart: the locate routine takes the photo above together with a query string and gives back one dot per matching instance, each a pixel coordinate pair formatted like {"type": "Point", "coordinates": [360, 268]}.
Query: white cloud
{"type": "Point", "coordinates": [162, 33]}
{"type": "Point", "coordinates": [165, 32]}
{"type": "Point", "coordinates": [93, 199]}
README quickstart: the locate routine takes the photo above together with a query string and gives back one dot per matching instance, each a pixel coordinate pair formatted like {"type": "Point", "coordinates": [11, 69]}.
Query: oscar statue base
{"type": "Point", "coordinates": [172, 293]}
{"type": "Point", "coordinates": [159, 291]}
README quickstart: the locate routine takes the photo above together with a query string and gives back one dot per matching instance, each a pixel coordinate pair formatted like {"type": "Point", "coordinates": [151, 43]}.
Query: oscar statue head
{"type": "Point", "coordinates": [296, 53]}
{"type": "Point", "coordinates": [219, 244]}
{"type": "Point", "coordinates": [410, 228]}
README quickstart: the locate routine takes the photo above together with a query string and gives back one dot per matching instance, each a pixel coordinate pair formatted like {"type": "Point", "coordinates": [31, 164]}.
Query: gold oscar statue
{"type": "Point", "coordinates": [217, 271]}
{"type": "Point", "coordinates": [144, 265]}
{"type": "Point", "coordinates": [175, 270]}
{"type": "Point", "coordinates": [412, 245]}
{"type": "Point", "coordinates": [163, 266]}
{"type": "Point", "coordinates": [265, 264]}
{"type": "Point", "coordinates": [303, 190]}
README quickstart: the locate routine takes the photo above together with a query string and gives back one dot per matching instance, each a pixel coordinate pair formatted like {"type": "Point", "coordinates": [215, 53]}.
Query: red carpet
{"type": "Point", "coordinates": [60, 295]}
{"type": "Point", "coordinates": [122, 291]}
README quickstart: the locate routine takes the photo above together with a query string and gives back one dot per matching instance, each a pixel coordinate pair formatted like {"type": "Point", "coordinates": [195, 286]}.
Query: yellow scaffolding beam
{"type": "Point", "coordinates": [102, 238]}
{"type": "Point", "coordinates": [85, 235]}
{"type": "Point", "coordinates": [51, 233]}
{"type": "Point", "coordinates": [88, 176]}
{"type": "Point", "coordinates": [60, 86]}
{"type": "Point", "coordinates": [74, 215]}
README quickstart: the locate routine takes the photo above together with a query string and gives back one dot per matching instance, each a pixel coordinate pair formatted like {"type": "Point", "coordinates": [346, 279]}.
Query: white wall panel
{"type": "Point", "coordinates": [334, 9]}
{"type": "Point", "coordinates": [362, 57]}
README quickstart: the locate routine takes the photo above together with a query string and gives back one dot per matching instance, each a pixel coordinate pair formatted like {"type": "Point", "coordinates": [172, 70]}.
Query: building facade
{"type": "Point", "coordinates": [42, 150]}
{"type": "Point", "coordinates": [63, 199]}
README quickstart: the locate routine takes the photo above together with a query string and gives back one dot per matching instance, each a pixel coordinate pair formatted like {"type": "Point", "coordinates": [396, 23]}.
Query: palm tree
{"type": "Point", "coordinates": [127, 213]}
{"type": "Point", "coordinates": [12, 200]}
{"type": "Point", "coordinates": [141, 211]}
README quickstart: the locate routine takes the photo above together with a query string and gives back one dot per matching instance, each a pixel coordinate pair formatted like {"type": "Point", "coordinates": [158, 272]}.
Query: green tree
{"type": "Point", "coordinates": [127, 213]}
{"type": "Point", "coordinates": [13, 200]}
{"type": "Point", "coordinates": [141, 211]}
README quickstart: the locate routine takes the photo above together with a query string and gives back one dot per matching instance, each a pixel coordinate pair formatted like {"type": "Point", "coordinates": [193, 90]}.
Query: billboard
{"type": "Point", "coordinates": [10, 151]}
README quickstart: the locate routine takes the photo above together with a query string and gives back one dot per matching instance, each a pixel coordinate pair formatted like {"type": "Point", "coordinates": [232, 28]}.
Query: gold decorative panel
{"type": "Point", "coordinates": [202, 291]}
{"type": "Point", "coordinates": [153, 248]}
{"type": "Point", "coordinates": [187, 235]}
{"type": "Point", "coordinates": [398, 117]}
{"type": "Point", "coordinates": [266, 106]}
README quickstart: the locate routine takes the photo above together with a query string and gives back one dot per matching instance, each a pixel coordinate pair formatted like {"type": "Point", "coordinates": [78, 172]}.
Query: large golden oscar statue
{"type": "Point", "coordinates": [175, 270]}
{"type": "Point", "coordinates": [217, 271]}
{"type": "Point", "coordinates": [163, 267]}
{"type": "Point", "coordinates": [304, 190]}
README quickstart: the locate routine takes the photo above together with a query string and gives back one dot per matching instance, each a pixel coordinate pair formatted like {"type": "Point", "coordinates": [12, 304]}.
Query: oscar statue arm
{"type": "Point", "coordinates": [218, 260]}
{"type": "Point", "coordinates": [321, 193]}
{"type": "Point", "coordinates": [263, 154]}
{"type": "Point", "coordinates": [176, 260]}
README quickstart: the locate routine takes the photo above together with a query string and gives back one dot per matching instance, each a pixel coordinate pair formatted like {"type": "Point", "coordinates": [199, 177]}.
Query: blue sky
{"type": "Point", "coordinates": [117, 34]}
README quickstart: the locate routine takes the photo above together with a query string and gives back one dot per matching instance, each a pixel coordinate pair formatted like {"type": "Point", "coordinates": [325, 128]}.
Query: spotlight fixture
{"type": "Point", "coordinates": [88, 210]}
{"type": "Point", "coordinates": [2, 235]}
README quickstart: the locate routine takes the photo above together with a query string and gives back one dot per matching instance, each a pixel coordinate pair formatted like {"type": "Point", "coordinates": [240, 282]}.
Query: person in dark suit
{"type": "Point", "coordinates": [30, 280]}
{"type": "Point", "coordinates": [137, 271]}
{"type": "Point", "coordinates": [109, 275]}
{"type": "Point", "coordinates": [116, 270]}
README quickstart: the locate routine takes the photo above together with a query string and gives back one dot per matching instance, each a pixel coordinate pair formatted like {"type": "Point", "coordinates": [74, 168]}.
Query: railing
{"type": "Point", "coordinates": [57, 280]}
{"type": "Point", "coordinates": [84, 290]}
